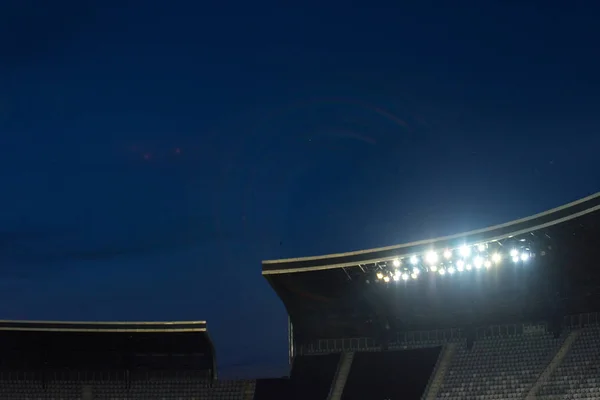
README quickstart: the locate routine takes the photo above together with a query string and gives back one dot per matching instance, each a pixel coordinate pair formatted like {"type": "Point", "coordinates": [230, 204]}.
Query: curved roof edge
{"type": "Point", "coordinates": [532, 223]}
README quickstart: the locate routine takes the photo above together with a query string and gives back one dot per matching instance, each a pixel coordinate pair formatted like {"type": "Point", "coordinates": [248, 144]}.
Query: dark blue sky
{"type": "Point", "coordinates": [151, 155]}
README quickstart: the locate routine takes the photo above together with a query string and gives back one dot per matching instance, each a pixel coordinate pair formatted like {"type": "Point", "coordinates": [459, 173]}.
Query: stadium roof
{"type": "Point", "coordinates": [334, 284]}
{"type": "Point", "coordinates": [115, 327]}
{"type": "Point", "coordinates": [521, 226]}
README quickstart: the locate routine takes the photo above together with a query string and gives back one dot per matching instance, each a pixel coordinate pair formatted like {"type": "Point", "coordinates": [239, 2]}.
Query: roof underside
{"type": "Point", "coordinates": [339, 294]}
{"type": "Point", "coordinates": [522, 226]}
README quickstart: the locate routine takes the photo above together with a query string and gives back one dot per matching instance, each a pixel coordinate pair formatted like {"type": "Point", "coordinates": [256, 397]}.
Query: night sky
{"type": "Point", "coordinates": [152, 155]}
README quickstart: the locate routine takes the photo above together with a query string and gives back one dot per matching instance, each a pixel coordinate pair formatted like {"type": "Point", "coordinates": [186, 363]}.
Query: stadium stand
{"type": "Point", "coordinates": [507, 312]}
{"type": "Point", "coordinates": [111, 360]}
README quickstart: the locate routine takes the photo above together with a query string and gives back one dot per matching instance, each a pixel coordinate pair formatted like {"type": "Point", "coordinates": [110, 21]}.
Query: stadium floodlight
{"type": "Point", "coordinates": [442, 271]}
{"type": "Point", "coordinates": [396, 263]}
{"type": "Point", "coordinates": [447, 254]}
{"type": "Point", "coordinates": [496, 258]}
{"type": "Point", "coordinates": [451, 270]}
{"type": "Point", "coordinates": [460, 267]}
{"type": "Point", "coordinates": [386, 278]}
{"type": "Point", "coordinates": [524, 256]}
{"type": "Point", "coordinates": [431, 257]}
{"type": "Point", "coordinates": [487, 263]}
{"type": "Point", "coordinates": [414, 260]}
{"type": "Point", "coordinates": [514, 253]}
{"type": "Point", "coordinates": [481, 247]}
{"type": "Point", "coordinates": [468, 267]}
{"type": "Point", "coordinates": [515, 258]}
{"type": "Point", "coordinates": [416, 271]}
{"type": "Point", "coordinates": [396, 278]}
{"type": "Point", "coordinates": [478, 262]}
{"type": "Point", "coordinates": [414, 276]}
{"type": "Point", "coordinates": [379, 275]}
{"type": "Point", "coordinates": [405, 276]}
{"type": "Point", "coordinates": [433, 268]}
{"type": "Point", "coordinates": [465, 251]}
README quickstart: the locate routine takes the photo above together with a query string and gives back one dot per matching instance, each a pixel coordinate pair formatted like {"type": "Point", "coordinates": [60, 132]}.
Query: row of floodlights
{"type": "Point", "coordinates": [465, 263]}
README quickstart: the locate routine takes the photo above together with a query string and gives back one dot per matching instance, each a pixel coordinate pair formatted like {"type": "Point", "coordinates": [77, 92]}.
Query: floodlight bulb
{"type": "Point", "coordinates": [396, 278]}
{"type": "Point", "coordinates": [496, 257]}
{"type": "Point", "coordinates": [386, 278]}
{"type": "Point", "coordinates": [481, 247]}
{"type": "Point", "coordinates": [447, 254]}
{"type": "Point", "coordinates": [405, 276]}
{"type": "Point", "coordinates": [433, 268]}
{"type": "Point", "coordinates": [414, 260]}
{"type": "Point", "coordinates": [515, 258]}
{"type": "Point", "coordinates": [468, 267]}
{"type": "Point", "coordinates": [416, 271]}
{"type": "Point", "coordinates": [451, 270]}
{"type": "Point", "coordinates": [514, 253]}
{"type": "Point", "coordinates": [379, 275]}
{"type": "Point", "coordinates": [414, 276]}
{"type": "Point", "coordinates": [524, 256]}
{"type": "Point", "coordinates": [431, 257]}
{"type": "Point", "coordinates": [396, 263]}
{"type": "Point", "coordinates": [465, 251]}
{"type": "Point", "coordinates": [487, 264]}
{"type": "Point", "coordinates": [460, 268]}
{"type": "Point", "coordinates": [442, 271]}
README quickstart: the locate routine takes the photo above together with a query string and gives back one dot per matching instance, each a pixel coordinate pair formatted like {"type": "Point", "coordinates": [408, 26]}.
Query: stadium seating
{"type": "Point", "coordinates": [137, 390]}
{"type": "Point", "coordinates": [578, 377]}
{"type": "Point", "coordinates": [498, 367]}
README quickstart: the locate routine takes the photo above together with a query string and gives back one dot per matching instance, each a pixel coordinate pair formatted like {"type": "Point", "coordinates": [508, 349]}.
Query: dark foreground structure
{"type": "Point", "coordinates": [110, 360]}
{"type": "Point", "coordinates": [507, 312]}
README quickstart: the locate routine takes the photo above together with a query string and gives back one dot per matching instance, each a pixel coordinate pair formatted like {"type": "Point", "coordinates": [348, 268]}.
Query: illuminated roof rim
{"type": "Point", "coordinates": [430, 241]}
{"type": "Point", "coordinates": [22, 321]}
{"type": "Point", "coordinates": [104, 326]}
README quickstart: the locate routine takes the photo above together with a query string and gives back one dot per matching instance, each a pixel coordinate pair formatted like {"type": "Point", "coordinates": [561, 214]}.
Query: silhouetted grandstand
{"type": "Point", "coordinates": [508, 312]}
{"type": "Point", "coordinates": [111, 360]}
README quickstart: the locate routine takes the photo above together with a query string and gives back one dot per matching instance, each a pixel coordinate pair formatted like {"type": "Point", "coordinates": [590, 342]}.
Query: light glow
{"type": "Point", "coordinates": [496, 258]}
{"type": "Point", "coordinates": [465, 251]}
{"type": "Point", "coordinates": [432, 257]}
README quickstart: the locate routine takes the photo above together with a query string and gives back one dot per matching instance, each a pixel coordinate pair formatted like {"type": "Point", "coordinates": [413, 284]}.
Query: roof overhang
{"type": "Point", "coordinates": [326, 295]}
{"type": "Point", "coordinates": [555, 216]}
